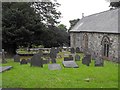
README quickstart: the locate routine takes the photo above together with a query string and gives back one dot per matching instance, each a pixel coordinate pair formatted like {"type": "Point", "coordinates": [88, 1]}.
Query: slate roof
{"type": "Point", "coordinates": [106, 22]}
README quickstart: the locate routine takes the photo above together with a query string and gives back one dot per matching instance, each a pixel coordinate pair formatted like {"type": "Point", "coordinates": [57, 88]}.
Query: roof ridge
{"type": "Point", "coordinates": [101, 12]}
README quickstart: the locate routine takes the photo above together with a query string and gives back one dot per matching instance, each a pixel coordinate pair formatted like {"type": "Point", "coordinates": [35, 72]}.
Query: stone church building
{"type": "Point", "coordinates": [99, 33]}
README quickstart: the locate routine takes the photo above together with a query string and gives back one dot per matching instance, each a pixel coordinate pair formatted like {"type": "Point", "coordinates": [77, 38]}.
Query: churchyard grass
{"type": "Point", "coordinates": [24, 76]}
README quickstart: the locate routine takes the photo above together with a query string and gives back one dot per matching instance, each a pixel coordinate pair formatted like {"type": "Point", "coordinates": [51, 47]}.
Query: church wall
{"type": "Point", "coordinates": [94, 43]}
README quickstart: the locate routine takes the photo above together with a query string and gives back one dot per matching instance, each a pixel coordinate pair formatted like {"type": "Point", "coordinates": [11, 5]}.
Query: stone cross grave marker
{"type": "Point", "coordinates": [99, 61]}
{"type": "Point", "coordinates": [36, 60]}
{"type": "Point", "coordinates": [23, 61]}
{"type": "Point", "coordinates": [16, 58]}
{"type": "Point", "coordinates": [54, 66]}
{"type": "Point", "coordinates": [53, 55]}
{"type": "Point", "coordinates": [77, 50]}
{"type": "Point", "coordinates": [86, 60]}
{"type": "Point", "coordinates": [77, 58]}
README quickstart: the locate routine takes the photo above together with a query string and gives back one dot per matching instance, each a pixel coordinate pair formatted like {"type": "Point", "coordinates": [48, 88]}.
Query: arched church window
{"type": "Point", "coordinates": [105, 46]}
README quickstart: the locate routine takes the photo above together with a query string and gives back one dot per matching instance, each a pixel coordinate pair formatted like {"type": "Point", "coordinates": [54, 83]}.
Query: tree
{"type": "Point", "coordinates": [115, 4]}
{"type": "Point", "coordinates": [25, 23]}
{"type": "Point", "coordinates": [73, 22]}
{"type": "Point", "coordinates": [62, 27]}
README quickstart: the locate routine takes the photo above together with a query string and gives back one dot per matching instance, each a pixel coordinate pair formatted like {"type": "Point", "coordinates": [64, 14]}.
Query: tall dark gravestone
{"type": "Point", "coordinates": [77, 50]}
{"type": "Point", "coordinates": [72, 50]}
{"type": "Point", "coordinates": [36, 60]}
{"type": "Point", "coordinates": [86, 60]}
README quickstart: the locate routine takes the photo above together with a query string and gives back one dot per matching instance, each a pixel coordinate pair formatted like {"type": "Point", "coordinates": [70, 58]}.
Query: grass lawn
{"type": "Point", "coordinates": [24, 76]}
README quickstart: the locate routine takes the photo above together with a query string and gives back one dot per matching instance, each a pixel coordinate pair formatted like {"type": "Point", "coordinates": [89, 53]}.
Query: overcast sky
{"type": "Point", "coordinates": [73, 9]}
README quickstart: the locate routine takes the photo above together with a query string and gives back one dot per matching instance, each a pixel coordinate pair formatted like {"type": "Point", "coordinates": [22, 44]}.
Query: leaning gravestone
{"type": "Point", "coordinates": [99, 61]}
{"type": "Point", "coordinates": [77, 58]}
{"type": "Point", "coordinates": [72, 50]}
{"type": "Point", "coordinates": [16, 58]}
{"type": "Point", "coordinates": [36, 60]}
{"type": "Point", "coordinates": [70, 64]}
{"type": "Point", "coordinates": [54, 67]}
{"type": "Point", "coordinates": [77, 50]}
{"type": "Point", "coordinates": [23, 61]}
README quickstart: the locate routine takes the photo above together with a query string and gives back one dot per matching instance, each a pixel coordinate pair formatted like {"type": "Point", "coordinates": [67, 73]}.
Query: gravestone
{"type": "Point", "coordinates": [23, 61]}
{"type": "Point", "coordinates": [3, 57]}
{"type": "Point", "coordinates": [16, 58]}
{"type": "Point", "coordinates": [5, 68]}
{"type": "Point", "coordinates": [99, 61]}
{"type": "Point", "coordinates": [70, 64]}
{"type": "Point", "coordinates": [36, 60]}
{"type": "Point", "coordinates": [70, 58]}
{"type": "Point", "coordinates": [72, 50]}
{"type": "Point", "coordinates": [53, 55]}
{"type": "Point", "coordinates": [77, 50]}
{"type": "Point", "coordinates": [54, 67]}
{"type": "Point", "coordinates": [86, 60]}
{"type": "Point", "coordinates": [77, 58]}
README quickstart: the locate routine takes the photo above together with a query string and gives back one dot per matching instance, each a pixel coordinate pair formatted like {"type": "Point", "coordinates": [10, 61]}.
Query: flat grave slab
{"type": "Point", "coordinates": [2, 69]}
{"type": "Point", "coordinates": [70, 64]}
{"type": "Point", "coordinates": [54, 67]}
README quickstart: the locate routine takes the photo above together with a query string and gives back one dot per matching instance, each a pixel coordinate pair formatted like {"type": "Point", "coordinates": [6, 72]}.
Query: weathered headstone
{"type": "Point", "coordinates": [3, 57]}
{"type": "Point", "coordinates": [77, 50]}
{"type": "Point", "coordinates": [54, 67]}
{"type": "Point", "coordinates": [77, 58]}
{"type": "Point", "coordinates": [23, 61]}
{"type": "Point", "coordinates": [86, 60]}
{"type": "Point", "coordinates": [2, 69]}
{"type": "Point", "coordinates": [72, 50]}
{"type": "Point", "coordinates": [99, 61]}
{"type": "Point", "coordinates": [36, 60]}
{"type": "Point", "coordinates": [70, 64]}
{"type": "Point", "coordinates": [16, 58]}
